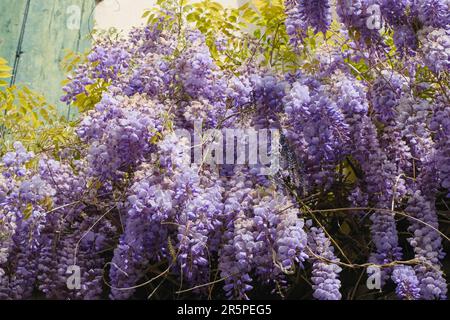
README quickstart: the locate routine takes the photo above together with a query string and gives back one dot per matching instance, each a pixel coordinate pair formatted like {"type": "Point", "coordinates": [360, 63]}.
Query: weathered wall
{"type": "Point", "coordinates": [51, 27]}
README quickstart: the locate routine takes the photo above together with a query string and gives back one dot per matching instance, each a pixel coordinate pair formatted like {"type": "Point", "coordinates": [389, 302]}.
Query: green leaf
{"type": "Point", "coordinates": [191, 17]}
{"type": "Point", "coordinates": [187, 8]}
{"type": "Point", "coordinates": [216, 6]}
{"type": "Point", "coordinates": [44, 114]}
{"type": "Point", "coordinates": [5, 68]}
{"type": "Point", "coordinates": [249, 14]}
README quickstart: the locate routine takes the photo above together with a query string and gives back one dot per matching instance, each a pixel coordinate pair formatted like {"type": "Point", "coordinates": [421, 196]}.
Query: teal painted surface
{"type": "Point", "coordinates": [46, 40]}
{"type": "Point", "coordinates": [11, 15]}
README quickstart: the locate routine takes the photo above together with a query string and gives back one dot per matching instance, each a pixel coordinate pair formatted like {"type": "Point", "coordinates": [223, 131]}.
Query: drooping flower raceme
{"type": "Point", "coordinates": [436, 49]}
{"type": "Point", "coordinates": [427, 244]}
{"type": "Point", "coordinates": [434, 13]}
{"type": "Point", "coordinates": [317, 131]}
{"type": "Point", "coordinates": [325, 273]}
{"type": "Point", "coordinates": [407, 284]}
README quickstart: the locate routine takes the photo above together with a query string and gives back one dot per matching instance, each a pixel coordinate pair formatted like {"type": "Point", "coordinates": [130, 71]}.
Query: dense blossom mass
{"type": "Point", "coordinates": [127, 209]}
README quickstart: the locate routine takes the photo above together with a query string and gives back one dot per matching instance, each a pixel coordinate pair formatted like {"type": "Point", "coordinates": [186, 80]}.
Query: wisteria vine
{"type": "Point", "coordinates": [129, 210]}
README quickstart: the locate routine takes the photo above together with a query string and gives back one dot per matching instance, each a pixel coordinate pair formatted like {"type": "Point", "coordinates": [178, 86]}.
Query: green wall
{"type": "Point", "coordinates": [46, 38]}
